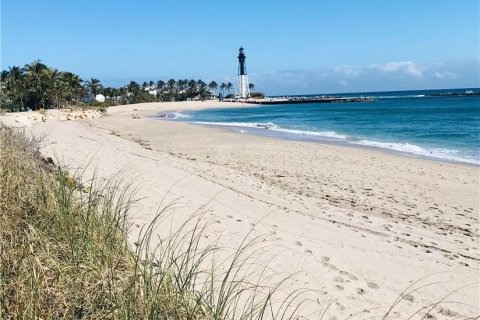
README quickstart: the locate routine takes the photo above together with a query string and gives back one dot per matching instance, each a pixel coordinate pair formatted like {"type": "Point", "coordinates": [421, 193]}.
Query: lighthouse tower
{"type": "Point", "coordinates": [243, 87]}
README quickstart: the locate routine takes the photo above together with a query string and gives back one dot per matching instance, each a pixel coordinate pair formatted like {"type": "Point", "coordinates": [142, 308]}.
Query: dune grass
{"type": "Point", "coordinates": [65, 254]}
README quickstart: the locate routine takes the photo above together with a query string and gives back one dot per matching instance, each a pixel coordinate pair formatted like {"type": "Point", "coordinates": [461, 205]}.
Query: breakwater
{"type": "Point", "coordinates": [305, 99]}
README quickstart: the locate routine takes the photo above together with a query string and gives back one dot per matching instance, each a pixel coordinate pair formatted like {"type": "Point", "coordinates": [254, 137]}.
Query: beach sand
{"type": "Point", "coordinates": [357, 225]}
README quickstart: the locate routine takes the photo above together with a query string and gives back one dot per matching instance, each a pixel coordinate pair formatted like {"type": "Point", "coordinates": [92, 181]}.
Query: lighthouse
{"type": "Point", "coordinates": [243, 87]}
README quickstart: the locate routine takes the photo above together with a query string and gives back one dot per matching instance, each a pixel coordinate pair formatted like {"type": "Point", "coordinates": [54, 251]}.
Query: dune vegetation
{"type": "Point", "coordinates": [64, 253]}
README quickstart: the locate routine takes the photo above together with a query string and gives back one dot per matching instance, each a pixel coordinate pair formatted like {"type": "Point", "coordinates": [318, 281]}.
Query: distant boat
{"type": "Point", "coordinates": [468, 92]}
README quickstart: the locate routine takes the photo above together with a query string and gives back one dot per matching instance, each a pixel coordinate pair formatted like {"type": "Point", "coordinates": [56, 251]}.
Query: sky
{"type": "Point", "coordinates": [292, 47]}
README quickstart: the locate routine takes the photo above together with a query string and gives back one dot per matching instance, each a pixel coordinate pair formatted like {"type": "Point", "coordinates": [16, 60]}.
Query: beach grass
{"type": "Point", "coordinates": [65, 253]}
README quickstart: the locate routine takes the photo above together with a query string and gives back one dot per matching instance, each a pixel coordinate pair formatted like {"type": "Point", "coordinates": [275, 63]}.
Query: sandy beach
{"type": "Point", "coordinates": [356, 225]}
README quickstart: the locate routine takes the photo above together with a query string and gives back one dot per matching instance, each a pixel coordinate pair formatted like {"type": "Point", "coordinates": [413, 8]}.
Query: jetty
{"type": "Point", "coordinates": [302, 99]}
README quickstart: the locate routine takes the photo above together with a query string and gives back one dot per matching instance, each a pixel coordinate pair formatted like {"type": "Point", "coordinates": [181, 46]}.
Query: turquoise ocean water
{"type": "Point", "coordinates": [410, 122]}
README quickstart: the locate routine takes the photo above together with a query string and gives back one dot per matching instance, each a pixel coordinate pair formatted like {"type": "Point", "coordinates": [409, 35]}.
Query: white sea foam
{"type": "Point", "coordinates": [400, 97]}
{"type": "Point", "coordinates": [439, 153]}
{"type": "Point", "coordinates": [261, 125]}
{"type": "Point", "coordinates": [273, 127]}
{"type": "Point", "coordinates": [180, 115]}
{"type": "Point", "coordinates": [328, 134]}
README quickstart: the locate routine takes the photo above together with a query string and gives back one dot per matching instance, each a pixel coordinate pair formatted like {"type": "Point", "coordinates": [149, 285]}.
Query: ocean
{"type": "Point", "coordinates": [409, 122]}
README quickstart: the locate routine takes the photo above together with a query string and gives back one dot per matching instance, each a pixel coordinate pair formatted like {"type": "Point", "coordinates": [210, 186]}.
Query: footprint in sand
{"type": "Point", "coordinates": [298, 243]}
{"type": "Point", "coordinates": [352, 277]}
{"type": "Point", "coordinates": [331, 266]}
{"type": "Point", "coordinates": [408, 297]}
{"type": "Point", "coordinates": [360, 291]}
{"type": "Point", "coordinates": [447, 312]}
{"type": "Point", "coordinates": [338, 279]}
{"type": "Point", "coordinates": [372, 285]}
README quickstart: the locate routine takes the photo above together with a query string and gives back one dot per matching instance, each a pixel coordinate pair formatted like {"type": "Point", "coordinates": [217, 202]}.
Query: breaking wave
{"type": "Point", "coordinates": [273, 127]}
{"type": "Point", "coordinates": [401, 97]}
{"type": "Point", "coordinates": [408, 148]}
{"type": "Point", "coordinates": [180, 115]}
{"type": "Point", "coordinates": [439, 153]}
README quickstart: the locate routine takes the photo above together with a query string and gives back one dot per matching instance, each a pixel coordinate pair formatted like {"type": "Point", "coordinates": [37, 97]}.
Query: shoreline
{"type": "Point", "coordinates": [310, 139]}
{"type": "Point", "coordinates": [354, 224]}
{"type": "Point", "coordinates": [29, 118]}
{"type": "Point", "coordinates": [340, 143]}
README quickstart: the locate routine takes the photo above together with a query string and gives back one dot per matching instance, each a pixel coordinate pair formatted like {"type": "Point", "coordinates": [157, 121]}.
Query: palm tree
{"type": "Point", "coordinates": [192, 87]}
{"type": "Point", "coordinates": [133, 87]}
{"type": "Point", "coordinates": [213, 87]}
{"type": "Point", "coordinates": [160, 85]}
{"type": "Point", "coordinates": [202, 89]}
{"type": "Point", "coordinates": [229, 87]}
{"type": "Point", "coordinates": [35, 73]}
{"type": "Point", "coordinates": [171, 85]}
{"type": "Point", "coordinates": [54, 87]}
{"type": "Point", "coordinates": [17, 83]}
{"type": "Point", "coordinates": [115, 93]}
{"type": "Point", "coordinates": [133, 91]}
{"type": "Point", "coordinates": [223, 86]}
{"type": "Point", "coordinates": [122, 91]}
{"type": "Point", "coordinates": [93, 86]}
{"type": "Point", "coordinates": [4, 75]}
{"type": "Point", "coordinates": [251, 86]}
{"type": "Point", "coordinates": [73, 85]}
{"type": "Point", "coordinates": [14, 87]}
{"type": "Point", "coordinates": [182, 85]}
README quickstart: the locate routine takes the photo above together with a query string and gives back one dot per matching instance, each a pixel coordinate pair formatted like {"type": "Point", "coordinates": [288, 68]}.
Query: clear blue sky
{"type": "Point", "coordinates": [292, 47]}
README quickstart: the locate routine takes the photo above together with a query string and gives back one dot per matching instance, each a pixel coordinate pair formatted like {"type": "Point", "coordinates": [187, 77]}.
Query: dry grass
{"type": "Point", "coordinates": [65, 254]}
{"type": "Point", "coordinates": [62, 255]}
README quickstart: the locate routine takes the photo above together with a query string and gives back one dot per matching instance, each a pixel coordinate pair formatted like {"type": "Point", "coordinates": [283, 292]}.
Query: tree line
{"type": "Point", "coordinates": [37, 86]}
